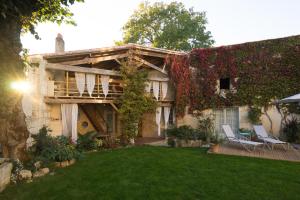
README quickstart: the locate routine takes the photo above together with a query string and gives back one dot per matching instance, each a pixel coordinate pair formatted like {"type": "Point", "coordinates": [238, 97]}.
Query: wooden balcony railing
{"type": "Point", "coordinates": [63, 89]}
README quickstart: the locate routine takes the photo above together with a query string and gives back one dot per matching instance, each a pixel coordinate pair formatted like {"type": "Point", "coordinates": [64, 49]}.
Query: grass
{"type": "Point", "coordinates": [164, 173]}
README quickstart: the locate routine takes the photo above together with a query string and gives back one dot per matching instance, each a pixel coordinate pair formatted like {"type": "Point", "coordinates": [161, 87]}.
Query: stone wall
{"type": "Point", "coordinates": [5, 173]}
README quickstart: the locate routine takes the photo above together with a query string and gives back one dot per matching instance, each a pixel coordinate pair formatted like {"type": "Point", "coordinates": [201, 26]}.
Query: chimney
{"type": "Point", "coordinates": [59, 44]}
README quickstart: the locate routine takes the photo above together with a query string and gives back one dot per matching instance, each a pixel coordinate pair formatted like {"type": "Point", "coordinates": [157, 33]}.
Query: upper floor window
{"type": "Point", "coordinates": [225, 84]}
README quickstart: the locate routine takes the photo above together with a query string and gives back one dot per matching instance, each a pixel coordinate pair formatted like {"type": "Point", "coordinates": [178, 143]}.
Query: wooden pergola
{"type": "Point", "coordinates": [101, 61]}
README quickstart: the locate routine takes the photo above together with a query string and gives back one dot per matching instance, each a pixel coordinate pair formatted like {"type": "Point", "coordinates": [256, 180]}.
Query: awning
{"type": "Point", "coordinates": [291, 99]}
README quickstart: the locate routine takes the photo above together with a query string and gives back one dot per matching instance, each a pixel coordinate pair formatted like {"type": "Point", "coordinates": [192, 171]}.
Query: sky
{"type": "Point", "coordinates": [99, 22]}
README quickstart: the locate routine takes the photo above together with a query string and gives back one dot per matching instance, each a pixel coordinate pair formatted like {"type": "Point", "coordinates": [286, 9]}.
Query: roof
{"type": "Point", "coordinates": [110, 50]}
{"type": "Point", "coordinates": [258, 41]}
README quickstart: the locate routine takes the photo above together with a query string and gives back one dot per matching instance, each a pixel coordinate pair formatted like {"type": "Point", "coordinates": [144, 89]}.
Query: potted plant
{"type": "Point", "coordinates": [216, 141]}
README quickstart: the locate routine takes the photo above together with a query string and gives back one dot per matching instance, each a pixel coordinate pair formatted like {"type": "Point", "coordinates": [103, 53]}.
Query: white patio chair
{"type": "Point", "coordinates": [268, 139]}
{"type": "Point", "coordinates": [244, 142]}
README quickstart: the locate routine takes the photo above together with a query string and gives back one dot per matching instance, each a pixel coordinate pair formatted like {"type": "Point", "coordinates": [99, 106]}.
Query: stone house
{"type": "Point", "coordinates": [75, 92]}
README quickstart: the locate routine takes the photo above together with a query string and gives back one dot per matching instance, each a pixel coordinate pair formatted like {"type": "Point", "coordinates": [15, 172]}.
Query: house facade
{"type": "Point", "coordinates": [75, 92]}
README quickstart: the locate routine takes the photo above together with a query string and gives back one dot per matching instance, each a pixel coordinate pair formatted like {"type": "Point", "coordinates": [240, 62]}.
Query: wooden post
{"type": "Point", "coordinates": [67, 83]}
{"type": "Point", "coordinates": [98, 85]}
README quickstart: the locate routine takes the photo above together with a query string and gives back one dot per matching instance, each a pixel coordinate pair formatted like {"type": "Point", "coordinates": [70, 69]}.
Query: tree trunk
{"type": "Point", "coordinates": [269, 118]}
{"type": "Point", "coordinates": [14, 133]}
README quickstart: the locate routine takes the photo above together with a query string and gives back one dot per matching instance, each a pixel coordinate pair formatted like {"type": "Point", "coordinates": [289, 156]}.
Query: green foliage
{"type": "Point", "coordinates": [254, 114]}
{"type": "Point", "coordinates": [291, 130]}
{"type": "Point", "coordinates": [134, 101]}
{"type": "Point", "coordinates": [185, 133]}
{"type": "Point", "coordinates": [170, 26]}
{"type": "Point", "coordinates": [88, 142]}
{"type": "Point", "coordinates": [32, 12]}
{"type": "Point", "coordinates": [206, 125]}
{"type": "Point", "coordinates": [48, 148]}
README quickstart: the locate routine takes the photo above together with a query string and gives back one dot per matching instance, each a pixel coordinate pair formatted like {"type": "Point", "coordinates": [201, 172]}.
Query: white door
{"type": "Point", "coordinates": [229, 116]}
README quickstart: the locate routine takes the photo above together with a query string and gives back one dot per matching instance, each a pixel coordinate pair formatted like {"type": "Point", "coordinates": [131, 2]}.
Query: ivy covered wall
{"type": "Point", "coordinates": [259, 72]}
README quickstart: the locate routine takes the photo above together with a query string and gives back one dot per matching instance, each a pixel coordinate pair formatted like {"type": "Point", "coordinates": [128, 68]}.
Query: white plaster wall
{"type": "Point", "coordinates": [40, 111]}
{"type": "Point", "coordinates": [189, 119]}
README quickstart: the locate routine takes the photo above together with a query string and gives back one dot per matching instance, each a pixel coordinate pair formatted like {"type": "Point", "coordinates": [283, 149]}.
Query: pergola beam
{"type": "Point", "coordinates": [94, 60]}
{"type": "Point", "coordinates": [71, 68]}
{"type": "Point", "coordinates": [68, 101]}
{"type": "Point", "coordinates": [149, 64]}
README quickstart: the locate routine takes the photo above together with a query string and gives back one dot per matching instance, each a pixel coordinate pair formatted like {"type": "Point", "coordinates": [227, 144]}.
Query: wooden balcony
{"type": "Point", "coordinates": [67, 92]}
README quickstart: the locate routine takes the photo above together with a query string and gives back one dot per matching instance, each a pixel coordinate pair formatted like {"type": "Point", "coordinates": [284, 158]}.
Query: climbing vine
{"type": "Point", "coordinates": [181, 76]}
{"type": "Point", "coordinates": [134, 101]}
{"type": "Point", "coordinates": [259, 72]}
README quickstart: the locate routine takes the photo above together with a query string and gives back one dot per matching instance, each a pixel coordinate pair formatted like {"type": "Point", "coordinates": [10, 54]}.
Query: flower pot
{"type": "Point", "coordinates": [215, 148]}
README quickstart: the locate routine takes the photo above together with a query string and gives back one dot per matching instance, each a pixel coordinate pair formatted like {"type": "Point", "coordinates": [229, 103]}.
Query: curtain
{"type": "Point", "coordinates": [164, 89]}
{"type": "Point", "coordinates": [166, 116]}
{"type": "Point", "coordinates": [148, 86]}
{"type": "Point", "coordinates": [74, 122]}
{"type": "Point", "coordinates": [90, 83]}
{"type": "Point", "coordinates": [105, 84]}
{"type": "Point", "coordinates": [80, 82]}
{"type": "Point", "coordinates": [69, 114]}
{"type": "Point", "coordinates": [157, 119]}
{"type": "Point", "coordinates": [155, 89]}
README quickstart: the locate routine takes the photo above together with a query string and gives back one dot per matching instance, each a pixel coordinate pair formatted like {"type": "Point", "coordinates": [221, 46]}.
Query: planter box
{"type": "Point", "coordinates": [188, 143]}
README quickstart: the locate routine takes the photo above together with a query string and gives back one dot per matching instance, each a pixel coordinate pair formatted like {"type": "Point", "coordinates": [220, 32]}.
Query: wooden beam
{"type": "Point", "coordinates": [149, 64]}
{"type": "Point", "coordinates": [93, 60]}
{"type": "Point", "coordinates": [158, 79]}
{"type": "Point", "coordinates": [68, 101]}
{"type": "Point", "coordinates": [81, 69]}
{"type": "Point", "coordinates": [114, 106]}
{"type": "Point", "coordinates": [117, 60]}
{"type": "Point", "coordinates": [105, 58]}
{"type": "Point", "coordinates": [164, 104]}
{"type": "Point", "coordinates": [146, 53]}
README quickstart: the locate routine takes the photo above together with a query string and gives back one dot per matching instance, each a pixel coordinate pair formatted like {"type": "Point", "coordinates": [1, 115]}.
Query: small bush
{"type": "Point", "coordinates": [47, 148]}
{"type": "Point", "coordinates": [89, 142]}
{"type": "Point", "coordinates": [291, 130]}
{"type": "Point", "coordinates": [185, 133]}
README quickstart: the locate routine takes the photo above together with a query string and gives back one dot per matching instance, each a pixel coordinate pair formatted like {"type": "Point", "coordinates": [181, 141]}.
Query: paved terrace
{"type": "Point", "coordinates": [278, 153]}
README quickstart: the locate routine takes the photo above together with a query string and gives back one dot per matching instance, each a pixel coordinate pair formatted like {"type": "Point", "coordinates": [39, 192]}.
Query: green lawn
{"type": "Point", "coordinates": [165, 173]}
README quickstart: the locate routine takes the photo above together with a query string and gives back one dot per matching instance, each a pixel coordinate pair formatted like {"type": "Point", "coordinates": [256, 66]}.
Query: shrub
{"type": "Point", "coordinates": [89, 142]}
{"type": "Point", "coordinates": [206, 126]}
{"type": "Point", "coordinates": [47, 148]}
{"type": "Point", "coordinates": [185, 133]}
{"type": "Point", "coordinates": [254, 114]}
{"type": "Point", "coordinates": [291, 130]}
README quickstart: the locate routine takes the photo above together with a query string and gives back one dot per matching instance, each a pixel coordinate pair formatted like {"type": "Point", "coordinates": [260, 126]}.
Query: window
{"type": "Point", "coordinates": [225, 83]}
{"type": "Point", "coordinates": [229, 116]}
{"type": "Point", "coordinates": [84, 124]}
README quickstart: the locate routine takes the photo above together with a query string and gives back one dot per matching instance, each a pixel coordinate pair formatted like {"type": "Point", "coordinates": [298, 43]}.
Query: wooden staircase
{"type": "Point", "coordinates": [95, 117]}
